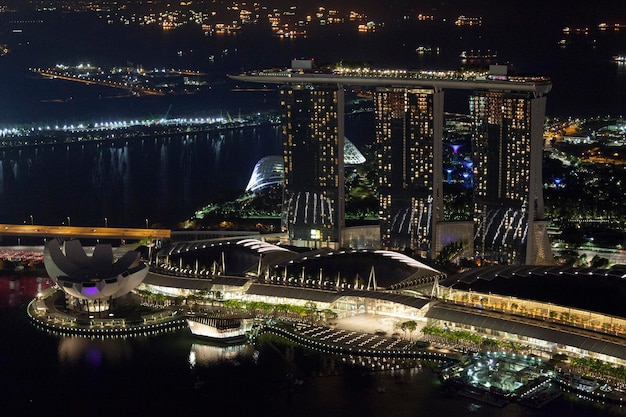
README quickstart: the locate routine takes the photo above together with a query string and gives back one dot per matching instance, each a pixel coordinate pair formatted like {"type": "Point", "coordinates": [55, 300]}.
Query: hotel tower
{"type": "Point", "coordinates": [507, 145]}
{"type": "Point", "coordinates": [313, 146]}
{"type": "Point", "coordinates": [409, 126]}
{"type": "Point", "coordinates": [507, 114]}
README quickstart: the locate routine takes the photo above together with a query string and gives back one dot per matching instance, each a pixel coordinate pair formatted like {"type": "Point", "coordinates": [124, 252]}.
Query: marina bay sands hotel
{"type": "Point", "coordinates": [507, 114]}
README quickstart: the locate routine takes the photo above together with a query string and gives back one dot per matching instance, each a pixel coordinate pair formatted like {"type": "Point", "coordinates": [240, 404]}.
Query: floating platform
{"type": "Point", "coordinates": [220, 327]}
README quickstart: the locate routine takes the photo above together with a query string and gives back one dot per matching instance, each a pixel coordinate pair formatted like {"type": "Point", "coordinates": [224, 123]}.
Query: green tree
{"type": "Point", "coordinates": [409, 326]}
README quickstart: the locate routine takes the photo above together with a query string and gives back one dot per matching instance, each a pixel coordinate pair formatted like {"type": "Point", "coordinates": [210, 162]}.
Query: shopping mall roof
{"type": "Point", "coordinates": [238, 255]}
{"type": "Point", "coordinates": [191, 283]}
{"type": "Point", "coordinates": [386, 268]}
{"type": "Point", "coordinates": [310, 294]}
{"type": "Point", "coordinates": [381, 269]}
{"type": "Point", "coordinates": [591, 289]}
{"type": "Point", "coordinates": [298, 293]}
{"type": "Point", "coordinates": [405, 300]}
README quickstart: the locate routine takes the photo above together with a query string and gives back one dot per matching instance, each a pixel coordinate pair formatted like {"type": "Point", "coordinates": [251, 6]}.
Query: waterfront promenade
{"type": "Point", "coordinates": [44, 313]}
{"type": "Point", "coordinates": [360, 339]}
{"type": "Point", "coordinates": [357, 335]}
{"type": "Point", "coordinates": [356, 343]}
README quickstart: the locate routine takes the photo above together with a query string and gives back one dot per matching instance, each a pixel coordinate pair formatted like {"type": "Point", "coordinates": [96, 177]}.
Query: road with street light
{"type": "Point", "coordinates": [84, 232]}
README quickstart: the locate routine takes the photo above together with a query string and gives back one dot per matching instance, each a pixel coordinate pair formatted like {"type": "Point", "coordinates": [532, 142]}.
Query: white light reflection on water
{"type": "Point", "coordinates": [204, 355]}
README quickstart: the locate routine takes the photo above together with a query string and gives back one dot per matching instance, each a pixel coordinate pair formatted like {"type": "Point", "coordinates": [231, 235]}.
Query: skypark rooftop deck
{"type": "Point", "coordinates": [438, 80]}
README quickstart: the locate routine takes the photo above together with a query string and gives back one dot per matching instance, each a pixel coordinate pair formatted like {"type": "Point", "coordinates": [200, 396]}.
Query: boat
{"type": "Point", "coordinates": [590, 388]}
{"type": "Point", "coordinates": [487, 396]}
{"type": "Point", "coordinates": [577, 383]}
{"type": "Point", "coordinates": [478, 55]}
{"type": "Point", "coordinates": [619, 58]}
{"type": "Point", "coordinates": [423, 49]}
{"type": "Point", "coordinates": [220, 327]}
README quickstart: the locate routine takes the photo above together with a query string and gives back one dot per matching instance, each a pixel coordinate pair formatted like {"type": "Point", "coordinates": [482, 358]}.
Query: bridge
{"type": "Point", "coordinates": [34, 230]}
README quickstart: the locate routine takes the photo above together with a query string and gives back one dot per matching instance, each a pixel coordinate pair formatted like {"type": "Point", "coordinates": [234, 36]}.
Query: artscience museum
{"type": "Point", "coordinates": [90, 282]}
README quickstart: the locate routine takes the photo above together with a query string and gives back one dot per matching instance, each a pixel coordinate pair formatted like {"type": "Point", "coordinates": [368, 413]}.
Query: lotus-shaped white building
{"type": "Point", "coordinates": [96, 277]}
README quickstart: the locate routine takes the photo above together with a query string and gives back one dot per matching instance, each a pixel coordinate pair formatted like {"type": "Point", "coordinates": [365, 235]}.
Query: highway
{"type": "Point", "coordinates": [86, 232]}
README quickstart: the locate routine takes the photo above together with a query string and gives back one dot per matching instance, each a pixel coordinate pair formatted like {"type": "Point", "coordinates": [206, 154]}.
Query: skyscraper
{"type": "Point", "coordinates": [507, 144]}
{"type": "Point", "coordinates": [508, 114]}
{"type": "Point", "coordinates": [313, 146]}
{"type": "Point", "coordinates": [409, 141]}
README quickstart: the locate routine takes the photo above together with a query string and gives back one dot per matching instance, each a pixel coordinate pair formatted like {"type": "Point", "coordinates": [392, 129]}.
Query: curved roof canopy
{"type": "Point", "coordinates": [389, 269]}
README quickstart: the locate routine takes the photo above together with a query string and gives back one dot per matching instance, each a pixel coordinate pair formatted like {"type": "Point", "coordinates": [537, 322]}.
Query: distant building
{"type": "Point", "coordinates": [270, 170]}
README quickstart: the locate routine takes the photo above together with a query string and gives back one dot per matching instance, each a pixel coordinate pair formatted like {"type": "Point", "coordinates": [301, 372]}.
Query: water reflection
{"type": "Point", "coordinates": [17, 289]}
{"type": "Point", "coordinates": [93, 352]}
{"type": "Point", "coordinates": [204, 355]}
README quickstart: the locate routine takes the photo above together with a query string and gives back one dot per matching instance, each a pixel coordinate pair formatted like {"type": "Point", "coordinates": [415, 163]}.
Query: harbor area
{"type": "Point", "coordinates": [498, 379]}
{"type": "Point", "coordinates": [370, 340]}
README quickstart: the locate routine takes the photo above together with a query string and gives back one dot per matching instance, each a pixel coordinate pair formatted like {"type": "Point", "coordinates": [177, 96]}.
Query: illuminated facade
{"type": "Point", "coordinates": [507, 142]}
{"type": "Point", "coordinates": [409, 139]}
{"type": "Point", "coordinates": [508, 113]}
{"type": "Point", "coordinates": [270, 170]}
{"type": "Point", "coordinates": [313, 148]}
{"type": "Point", "coordinates": [544, 308]}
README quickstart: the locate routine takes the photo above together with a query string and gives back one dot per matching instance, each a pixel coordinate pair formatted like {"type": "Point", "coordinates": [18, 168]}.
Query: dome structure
{"type": "Point", "coordinates": [96, 277]}
{"type": "Point", "coordinates": [270, 170]}
{"type": "Point", "coordinates": [351, 154]}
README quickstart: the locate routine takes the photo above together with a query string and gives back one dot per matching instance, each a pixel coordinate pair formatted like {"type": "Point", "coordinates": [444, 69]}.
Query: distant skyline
{"type": "Point", "coordinates": [524, 34]}
{"type": "Point", "coordinates": [567, 11]}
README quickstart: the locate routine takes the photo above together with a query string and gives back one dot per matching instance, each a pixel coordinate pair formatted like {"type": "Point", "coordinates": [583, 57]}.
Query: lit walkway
{"type": "Point", "coordinates": [341, 337]}
{"type": "Point", "coordinates": [352, 342]}
{"type": "Point", "coordinates": [44, 314]}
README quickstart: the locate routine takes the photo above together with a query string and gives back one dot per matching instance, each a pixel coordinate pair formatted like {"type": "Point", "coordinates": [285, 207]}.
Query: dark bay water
{"type": "Point", "coordinates": [163, 178]}
{"type": "Point", "coordinates": [586, 80]}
